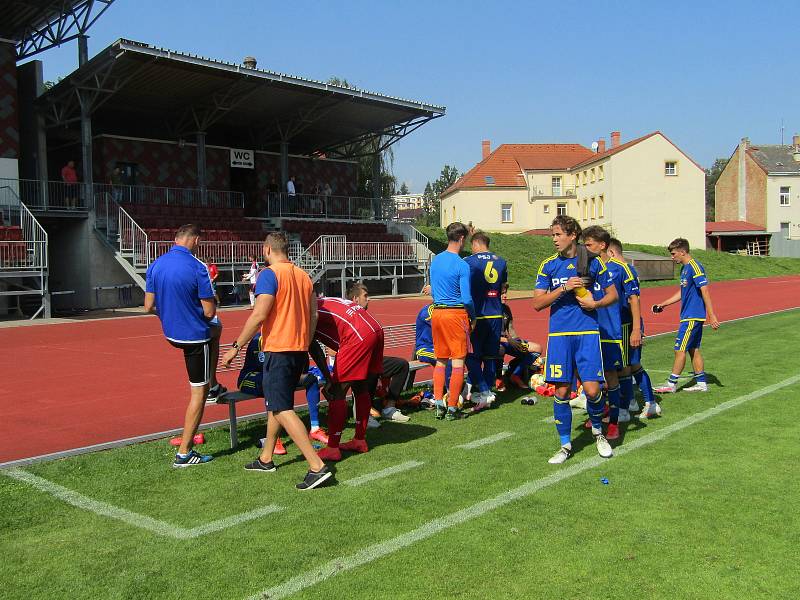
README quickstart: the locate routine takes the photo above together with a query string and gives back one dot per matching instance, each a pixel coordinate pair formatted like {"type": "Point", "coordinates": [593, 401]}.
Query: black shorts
{"type": "Point", "coordinates": [282, 371]}
{"type": "Point", "coordinates": [198, 361]}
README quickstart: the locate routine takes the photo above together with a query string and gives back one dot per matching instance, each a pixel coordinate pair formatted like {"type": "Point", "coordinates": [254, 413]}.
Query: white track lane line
{"type": "Point", "coordinates": [361, 480]}
{"type": "Point", "coordinates": [131, 518]}
{"type": "Point", "coordinates": [486, 441]}
{"type": "Point", "coordinates": [431, 528]}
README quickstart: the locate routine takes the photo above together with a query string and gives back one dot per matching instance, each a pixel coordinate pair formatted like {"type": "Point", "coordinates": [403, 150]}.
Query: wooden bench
{"type": "Point", "coordinates": [394, 336]}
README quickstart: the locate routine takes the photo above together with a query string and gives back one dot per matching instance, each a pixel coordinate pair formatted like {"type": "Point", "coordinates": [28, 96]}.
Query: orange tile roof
{"type": "Point", "coordinates": [731, 226]}
{"type": "Point", "coordinates": [508, 161]}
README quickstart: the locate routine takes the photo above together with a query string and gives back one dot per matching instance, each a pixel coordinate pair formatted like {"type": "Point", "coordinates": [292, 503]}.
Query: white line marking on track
{"type": "Point", "coordinates": [131, 518]}
{"type": "Point", "coordinates": [487, 440]}
{"type": "Point", "coordinates": [412, 464]}
{"type": "Point", "coordinates": [431, 528]}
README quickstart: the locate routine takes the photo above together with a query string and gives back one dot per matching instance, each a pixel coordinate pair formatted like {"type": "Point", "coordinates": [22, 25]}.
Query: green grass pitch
{"type": "Point", "coordinates": [711, 511]}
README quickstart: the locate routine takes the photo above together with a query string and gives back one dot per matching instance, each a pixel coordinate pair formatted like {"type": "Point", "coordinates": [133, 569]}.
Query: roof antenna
{"type": "Point", "coordinates": [781, 131]}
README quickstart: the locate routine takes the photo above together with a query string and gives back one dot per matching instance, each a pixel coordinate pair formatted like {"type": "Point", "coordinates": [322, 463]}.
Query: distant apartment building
{"type": "Point", "coordinates": [757, 196]}
{"type": "Point", "coordinates": [647, 190]}
{"type": "Point", "coordinates": [407, 201]}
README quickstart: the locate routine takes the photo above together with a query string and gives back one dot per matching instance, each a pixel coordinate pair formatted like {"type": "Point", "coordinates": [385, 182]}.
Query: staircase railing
{"type": "Point", "coordinates": [133, 242]}
{"type": "Point", "coordinates": [29, 253]}
{"type": "Point", "coordinates": [310, 259]}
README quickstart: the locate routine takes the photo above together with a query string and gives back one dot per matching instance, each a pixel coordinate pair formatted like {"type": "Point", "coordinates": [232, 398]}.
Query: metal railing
{"type": "Point", "coordinates": [29, 253]}
{"type": "Point", "coordinates": [415, 235]}
{"type": "Point", "coordinates": [133, 242]}
{"type": "Point", "coordinates": [219, 253]}
{"type": "Point", "coordinates": [329, 207]}
{"type": "Point", "coordinates": [61, 196]}
{"type": "Point", "coordinates": [541, 191]}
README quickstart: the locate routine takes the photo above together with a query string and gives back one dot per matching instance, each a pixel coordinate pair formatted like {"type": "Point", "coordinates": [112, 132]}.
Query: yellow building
{"type": "Point", "coordinates": [647, 191]}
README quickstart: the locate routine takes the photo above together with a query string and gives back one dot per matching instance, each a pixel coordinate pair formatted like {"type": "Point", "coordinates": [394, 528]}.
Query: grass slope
{"type": "Point", "coordinates": [709, 512]}
{"type": "Point", "coordinates": [525, 252]}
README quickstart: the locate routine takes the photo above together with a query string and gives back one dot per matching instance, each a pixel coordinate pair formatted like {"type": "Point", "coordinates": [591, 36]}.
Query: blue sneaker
{"type": "Point", "coordinates": [191, 459]}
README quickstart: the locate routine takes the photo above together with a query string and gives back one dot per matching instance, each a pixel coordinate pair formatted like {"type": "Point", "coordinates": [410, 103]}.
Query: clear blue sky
{"type": "Point", "coordinates": [704, 73]}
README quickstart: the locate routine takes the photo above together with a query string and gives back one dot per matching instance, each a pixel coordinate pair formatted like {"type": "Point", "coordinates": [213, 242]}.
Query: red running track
{"type": "Point", "coordinates": [71, 385]}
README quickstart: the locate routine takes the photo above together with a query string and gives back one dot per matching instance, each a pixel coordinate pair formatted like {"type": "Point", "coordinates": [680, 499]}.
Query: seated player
{"type": "Point", "coordinates": [251, 379]}
{"type": "Point", "coordinates": [357, 338]}
{"type": "Point", "coordinates": [524, 353]}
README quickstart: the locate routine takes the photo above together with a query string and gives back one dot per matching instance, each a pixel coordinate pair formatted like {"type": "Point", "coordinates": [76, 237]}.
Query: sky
{"type": "Point", "coordinates": [705, 73]}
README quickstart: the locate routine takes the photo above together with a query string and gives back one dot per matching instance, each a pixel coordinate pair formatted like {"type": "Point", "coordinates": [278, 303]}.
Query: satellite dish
{"type": "Point", "coordinates": [595, 146]}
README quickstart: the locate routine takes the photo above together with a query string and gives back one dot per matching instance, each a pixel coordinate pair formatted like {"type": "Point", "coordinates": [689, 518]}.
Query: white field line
{"type": "Point", "coordinates": [431, 528]}
{"type": "Point", "coordinates": [487, 440]}
{"type": "Point", "coordinates": [131, 518]}
{"type": "Point", "coordinates": [412, 464]}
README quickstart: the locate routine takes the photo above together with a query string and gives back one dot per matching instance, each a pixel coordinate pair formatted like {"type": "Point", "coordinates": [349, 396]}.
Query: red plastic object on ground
{"type": "Point", "coordinates": [196, 440]}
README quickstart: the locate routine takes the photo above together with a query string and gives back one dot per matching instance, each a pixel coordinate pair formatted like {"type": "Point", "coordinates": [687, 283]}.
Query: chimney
{"type": "Point", "coordinates": [745, 143]}
{"type": "Point", "coordinates": [796, 140]}
{"type": "Point", "coordinates": [486, 148]}
{"type": "Point", "coordinates": [601, 146]}
{"type": "Point", "coordinates": [249, 62]}
{"type": "Point", "coordinates": [614, 139]}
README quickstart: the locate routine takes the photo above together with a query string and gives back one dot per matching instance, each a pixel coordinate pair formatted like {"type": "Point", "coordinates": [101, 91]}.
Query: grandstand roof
{"type": "Point", "coordinates": [141, 90]}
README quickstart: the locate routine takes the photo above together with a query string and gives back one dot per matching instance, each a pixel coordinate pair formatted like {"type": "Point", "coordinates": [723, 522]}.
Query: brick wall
{"type": "Point", "coordinates": [756, 193]}
{"type": "Point", "coordinates": [9, 104]}
{"type": "Point", "coordinates": [726, 192]}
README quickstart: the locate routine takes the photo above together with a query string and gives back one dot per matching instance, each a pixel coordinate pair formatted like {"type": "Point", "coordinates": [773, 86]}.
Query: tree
{"type": "Point", "coordinates": [431, 198]}
{"type": "Point", "coordinates": [404, 188]}
{"type": "Point", "coordinates": [712, 175]}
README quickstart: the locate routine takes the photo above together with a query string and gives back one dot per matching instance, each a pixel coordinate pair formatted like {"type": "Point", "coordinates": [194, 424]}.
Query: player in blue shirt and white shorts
{"type": "Point", "coordinates": [488, 275]}
{"type": "Point", "coordinates": [573, 342]}
{"type": "Point", "coordinates": [696, 309]}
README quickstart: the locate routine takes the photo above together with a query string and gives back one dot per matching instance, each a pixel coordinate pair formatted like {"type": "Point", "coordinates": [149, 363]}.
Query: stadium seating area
{"type": "Point", "coordinates": [12, 246]}
{"type": "Point", "coordinates": [219, 224]}
{"type": "Point", "coordinates": [308, 231]}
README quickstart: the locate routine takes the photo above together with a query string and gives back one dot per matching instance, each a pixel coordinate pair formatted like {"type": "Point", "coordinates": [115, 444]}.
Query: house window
{"type": "Point", "coordinates": [785, 195]}
{"type": "Point", "coordinates": [489, 179]}
{"type": "Point", "coordinates": [546, 209]}
{"type": "Point", "coordinates": [785, 230]}
{"type": "Point", "coordinates": [506, 213]}
{"type": "Point", "coordinates": [584, 178]}
{"type": "Point", "coordinates": [602, 207]}
{"type": "Point", "coordinates": [594, 208]}
{"type": "Point", "coordinates": [556, 185]}
{"type": "Point", "coordinates": [670, 168]}
{"type": "Point", "coordinates": [592, 179]}
{"type": "Point", "coordinates": [585, 209]}
{"type": "Point", "coordinates": [600, 173]}
{"type": "Point", "coordinates": [561, 208]}
{"type": "Point", "coordinates": [577, 179]}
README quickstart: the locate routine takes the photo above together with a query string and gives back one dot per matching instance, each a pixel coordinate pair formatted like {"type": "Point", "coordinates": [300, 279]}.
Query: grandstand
{"type": "Point", "coordinates": [158, 136]}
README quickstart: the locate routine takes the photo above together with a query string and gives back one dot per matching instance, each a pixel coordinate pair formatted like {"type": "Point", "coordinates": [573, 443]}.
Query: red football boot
{"type": "Point", "coordinates": [355, 445]}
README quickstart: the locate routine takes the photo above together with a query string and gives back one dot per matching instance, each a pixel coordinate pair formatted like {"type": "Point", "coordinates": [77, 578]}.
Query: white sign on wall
{"type": "Point", "coordinates": [243, 159]}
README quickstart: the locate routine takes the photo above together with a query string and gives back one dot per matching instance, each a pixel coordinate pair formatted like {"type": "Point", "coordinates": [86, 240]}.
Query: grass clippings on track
{"type": "Point", "coordinates": [709, 512]}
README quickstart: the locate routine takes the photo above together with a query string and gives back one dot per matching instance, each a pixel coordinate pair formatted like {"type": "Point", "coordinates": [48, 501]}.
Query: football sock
{"type": "Point", "coordinates": [673, 379]}
{"type": "Point", "coordinates": [700, 377]}
{"type": "Point", "coordinates": [562, 414]}
{"type": "Point", "coordinates": [475, 370]}
{"type": "Point", "coordinates": [645, 385]}
{"type": "Point", "coordinates": [488, 372]}
{"type": "Point", "coordinates": [594, 406]}
{"type": "Point", "coordinates": [613, 404]}
{"type": "Point", "coordinates": [456, 383]}
{"type": "Point", "coordinates": [337, 415]}
{"type": "Point", "coordinates": [363, 404]}
{"type": "Point", "coordinates": [312, 398]}
{"type": "Point", "coordinates": [625, 391]}
{"type": "Point", "coordinates": [438, 382]}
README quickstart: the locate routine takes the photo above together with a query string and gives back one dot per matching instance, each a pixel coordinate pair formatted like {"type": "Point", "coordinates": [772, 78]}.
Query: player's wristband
{"type": "Point", "coordinates": [236, 346]}
{"type": "Point", "coordinates": [564, 287]}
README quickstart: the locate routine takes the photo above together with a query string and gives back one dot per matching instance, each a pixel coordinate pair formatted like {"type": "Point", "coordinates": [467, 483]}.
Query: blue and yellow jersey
{"type": "Point", "coordinates": [250, 374]}
{"type": "Point", "coordinates": [630, 287]}
{"type": "Point", "coordinates": [608, 317]}
{"type": "Point", "coordinates": [693, 278]}
{"type": "Point", "coordinates": [487, 274]}
{"type": "Point", "coordinates": [566, 315]}
{"type": "Point", "coordinates": [423, 343]}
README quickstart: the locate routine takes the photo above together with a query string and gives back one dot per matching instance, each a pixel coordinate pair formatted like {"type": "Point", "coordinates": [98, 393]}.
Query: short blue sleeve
{"type": "Point", "coordinates": [267, 283]}
{"type": "Point", "coordinates": [542, 278]}
{"type": "Point", "coordinates": [698, 275]}
{"type": "Point", "coordinates": [600, 273]}
{"type": "Point", "coordinates": [204, 288]}
{"type": "Point", "coordinates": [149, 285]}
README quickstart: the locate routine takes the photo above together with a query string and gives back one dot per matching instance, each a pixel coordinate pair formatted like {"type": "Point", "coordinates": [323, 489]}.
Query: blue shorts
{"type": "Point", "coordinates": [252, 383]}
{"type": "Point", "coordinates": [282, 371]}
{"type": "Point", "coordinates": [425, 355]}
{"type": "Point", "coordinates": [485, 338]}
{"type": "Point", "coordinates": [690, 334]}
{"type": "Point", "coordinates": [570, 356]}
{"type": "Point", "coordinates": [612, 355]}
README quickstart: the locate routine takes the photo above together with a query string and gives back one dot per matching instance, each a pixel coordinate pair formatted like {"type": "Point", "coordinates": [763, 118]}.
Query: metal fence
{"type": "Point", "coordinates": [552, 191]}
{"type": "Point", "coordinates": [49, 195]}
{"type": "Point", "coordinates": [329, 207]}
{"type": "Point", "coordinates": [219, 253]}
{"type": "Point", "coordinates": [29, 252]}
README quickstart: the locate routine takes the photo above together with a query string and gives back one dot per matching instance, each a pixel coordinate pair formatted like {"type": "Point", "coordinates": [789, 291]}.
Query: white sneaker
{"type": "Point", "coordinates": [393, 414]}
{"type": "Point", "coordinates": [697, 387]}
{"type": "Point", "coordinates": [578, 402]}
{"type": "Point", "coordinates": [633, 406]}
{"type": "Point", "coordinates": [481, 401]}
{"type": "Point", "coordinates": [624, 416]}
{"type": "Point", "coordinates": [490, 397]}
{"type": "Point", "coordinates": [650, 411]}
{"type": "Point", "coordinates": [603, 447]}
{"type": "Point", "coordinates": [667, 388]}
{"type": "Point", "coordinates": [372, 423]}
{"type": "Point", "coordinates": [561, 456]}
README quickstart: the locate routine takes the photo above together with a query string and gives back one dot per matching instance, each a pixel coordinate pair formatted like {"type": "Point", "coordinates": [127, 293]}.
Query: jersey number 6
{"type": "Point", "coordinates": [490, 273]}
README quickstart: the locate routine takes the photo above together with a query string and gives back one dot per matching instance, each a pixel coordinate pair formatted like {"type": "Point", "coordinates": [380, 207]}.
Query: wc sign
{"type": "Point", "coordinates": [242, 159]}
